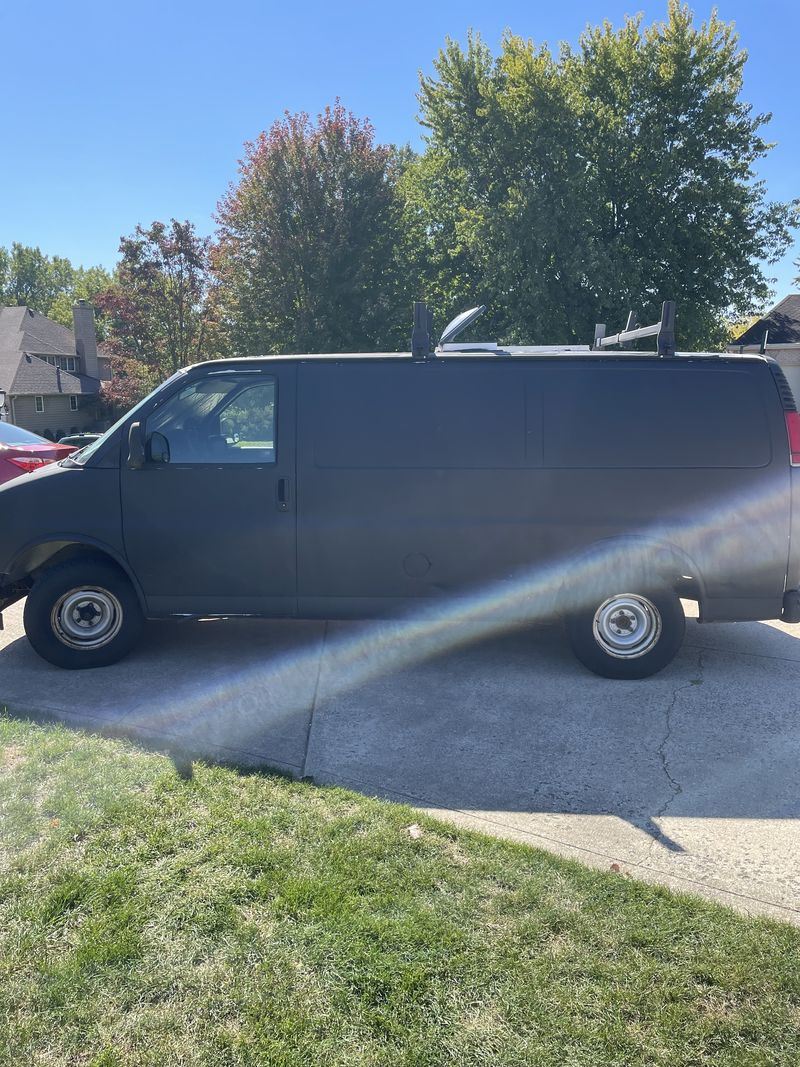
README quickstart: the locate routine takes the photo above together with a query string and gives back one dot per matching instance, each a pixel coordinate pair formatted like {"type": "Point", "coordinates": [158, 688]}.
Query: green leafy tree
{"type": "Point", "coordinates": [307, 257]}
{"type": "Point", "coordinates": [156, 309]}
{"type": "Point", "coordinates": [566, 189]}
{"type": "Point", "coordinates": [30, 277]}
{"type": "Point", "coordinates": [47, 284]}
{"type": "Point", "coordinates": [87, 283]}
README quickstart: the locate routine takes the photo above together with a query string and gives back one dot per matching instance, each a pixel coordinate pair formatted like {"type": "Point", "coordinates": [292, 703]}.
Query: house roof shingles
{"type": "Point", "coordinates": [35, 376]}
{"type": "Point", "coordinates": [783, 323]}
{"type": "Point", "coordinates": [24, 335]}
{"type": "Point", "coordinates": [10, 336]}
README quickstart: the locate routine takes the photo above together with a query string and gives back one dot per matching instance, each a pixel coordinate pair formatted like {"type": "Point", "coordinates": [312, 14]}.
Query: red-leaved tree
{"type": "Point", "coordinates": [155, 311]}
{"type": "Point", "coordinates": [306, 258]}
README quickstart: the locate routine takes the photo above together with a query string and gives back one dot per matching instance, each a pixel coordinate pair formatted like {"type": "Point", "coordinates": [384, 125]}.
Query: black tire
{"type": "Point", "coordinates": [628, 635]}
{"type": "Point", "coordinates": [83, 613]}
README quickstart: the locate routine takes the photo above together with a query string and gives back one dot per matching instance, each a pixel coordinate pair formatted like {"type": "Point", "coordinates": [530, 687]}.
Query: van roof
{"type": "Point", "coordinates": [501, 354]}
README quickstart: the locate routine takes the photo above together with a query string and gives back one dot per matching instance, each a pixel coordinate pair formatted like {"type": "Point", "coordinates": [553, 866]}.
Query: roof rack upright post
{"type": "Point", "coordinates": [663, 330]}
{"type": "Point", "coordinates": [422, 332]}
{"type": "Point", "coordinates": [763, 349]}
{"type": "Point", "coordinates": [666, 334]}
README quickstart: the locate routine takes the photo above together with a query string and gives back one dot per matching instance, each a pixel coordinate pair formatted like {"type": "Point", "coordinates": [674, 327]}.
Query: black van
{"type": "Point", "coordinates": [513, 483]}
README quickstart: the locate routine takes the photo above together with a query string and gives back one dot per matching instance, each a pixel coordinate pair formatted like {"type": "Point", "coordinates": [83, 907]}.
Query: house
{"type": "Point", "coordinates": [777, 334]}
{"type": "Point", "coordinates": [51, 375]}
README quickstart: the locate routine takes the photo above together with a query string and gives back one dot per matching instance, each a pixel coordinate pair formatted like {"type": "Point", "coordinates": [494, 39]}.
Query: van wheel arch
{"type": "Point", "coordinates": [635, 562]}
{"type": "Point", "coordinates": [37, 559]}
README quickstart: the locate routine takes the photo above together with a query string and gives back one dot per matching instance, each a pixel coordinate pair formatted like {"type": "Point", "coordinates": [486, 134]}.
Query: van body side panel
{"type": "Point", "coordinates": [487, 479]}
{"type": "Point", "coordinates": [59, 505]}
{"type": "Point", "coordinates": [689, 454]}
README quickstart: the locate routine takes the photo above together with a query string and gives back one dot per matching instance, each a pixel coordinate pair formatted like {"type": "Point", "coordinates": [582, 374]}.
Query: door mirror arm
{"type": "Point", "coordinates": [136, 446]}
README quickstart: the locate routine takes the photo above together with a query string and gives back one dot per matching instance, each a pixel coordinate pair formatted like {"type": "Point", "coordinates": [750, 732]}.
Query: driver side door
{"type": "Point", "coordinates": [209, 520]}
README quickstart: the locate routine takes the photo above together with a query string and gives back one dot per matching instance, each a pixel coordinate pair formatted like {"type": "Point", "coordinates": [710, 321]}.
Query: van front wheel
{"type": "Point", "coordinates": [83, 613]}
{"type": "Point", "coordinates": [628, 635]}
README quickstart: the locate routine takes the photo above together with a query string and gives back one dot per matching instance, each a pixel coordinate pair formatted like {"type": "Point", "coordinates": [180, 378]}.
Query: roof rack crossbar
{"type": "Point", "coordinates": [663, 330]}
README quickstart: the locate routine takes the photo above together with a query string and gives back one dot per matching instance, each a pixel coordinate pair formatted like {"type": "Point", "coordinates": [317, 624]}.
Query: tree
{"type": "Point", "coordinates": [47, 284]}
{"type": "Point", "coordinates": [131, 381]}
{"type": "Point", "coordinates": [87, 283]}
{"type": "Point", "coordinates": [306, 257]}
{"type": "Point", "coordinates": [156, 308]}
{"type": "Point", "coordinates": [568, 189]}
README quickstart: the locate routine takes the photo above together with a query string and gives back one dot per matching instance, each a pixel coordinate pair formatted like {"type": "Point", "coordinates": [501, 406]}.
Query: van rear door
{"type": "Point", "coordinates": [209, 519]}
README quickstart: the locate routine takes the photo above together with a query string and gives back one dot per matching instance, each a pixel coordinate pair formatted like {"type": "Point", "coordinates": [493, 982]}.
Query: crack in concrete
{"type": "Point", "coordinates": [661, 751]}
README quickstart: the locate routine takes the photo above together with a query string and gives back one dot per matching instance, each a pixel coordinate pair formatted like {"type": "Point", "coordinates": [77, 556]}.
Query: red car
{"type": "Point", "coordinates": [22, 451]}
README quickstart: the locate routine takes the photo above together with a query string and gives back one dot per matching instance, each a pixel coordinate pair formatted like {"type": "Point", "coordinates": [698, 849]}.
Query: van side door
{"type": "Point", "coordinates": [209, 517]}
{"type": "Point", "coordinates": [417, 479]}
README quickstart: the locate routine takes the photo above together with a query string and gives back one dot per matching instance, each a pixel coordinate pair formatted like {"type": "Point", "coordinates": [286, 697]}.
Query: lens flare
{"type": "Point", "coordinates": [745, 533]}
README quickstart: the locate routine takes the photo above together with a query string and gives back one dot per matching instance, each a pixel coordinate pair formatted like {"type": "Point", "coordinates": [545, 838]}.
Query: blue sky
{"type": "Point", "coordinates": [116, 114]}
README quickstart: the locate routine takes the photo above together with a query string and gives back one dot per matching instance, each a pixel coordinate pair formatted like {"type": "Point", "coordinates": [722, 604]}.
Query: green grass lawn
{"type": "Point", "coordinates": [246, 919]}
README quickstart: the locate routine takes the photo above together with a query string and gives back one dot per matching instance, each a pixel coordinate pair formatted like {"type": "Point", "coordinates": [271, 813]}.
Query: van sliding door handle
{"type": "Point", "coordinates": [283, 494]}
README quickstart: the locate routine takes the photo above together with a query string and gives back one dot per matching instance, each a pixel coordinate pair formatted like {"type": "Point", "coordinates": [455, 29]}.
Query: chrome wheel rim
{"type": "Point", "coordinates": [627, 626]}
{"type": "Point", "coordinates": [86, 618]}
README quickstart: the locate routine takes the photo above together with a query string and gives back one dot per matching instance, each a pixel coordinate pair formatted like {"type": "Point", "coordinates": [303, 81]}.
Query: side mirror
{"type": "Point", "coordinates": [158, 448]}
{"type": "Point", "coordinates": [135, 446]}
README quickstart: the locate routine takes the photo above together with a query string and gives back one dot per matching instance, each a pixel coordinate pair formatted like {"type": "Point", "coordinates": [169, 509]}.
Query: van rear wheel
{"type": "Point", "coordinates": [628, 635]}
{"type": "Point", "coordinates": [83, 613]}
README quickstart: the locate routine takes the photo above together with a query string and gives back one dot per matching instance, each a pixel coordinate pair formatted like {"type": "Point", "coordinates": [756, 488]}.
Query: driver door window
{"type": "Point", "coordinates": [222, 419]}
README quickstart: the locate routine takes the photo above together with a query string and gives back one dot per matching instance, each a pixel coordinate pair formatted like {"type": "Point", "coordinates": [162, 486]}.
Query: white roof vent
{"type": "Point", "coordinates": [460, 323]}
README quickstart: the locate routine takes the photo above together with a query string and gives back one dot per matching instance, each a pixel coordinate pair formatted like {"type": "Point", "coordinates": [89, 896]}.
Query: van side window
{"type": "Point", "coordinates": [221, 419]}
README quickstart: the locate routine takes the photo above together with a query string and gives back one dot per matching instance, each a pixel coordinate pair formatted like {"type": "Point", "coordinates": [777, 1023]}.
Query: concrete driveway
{"type": "Point", "coordinates": [688, 779]}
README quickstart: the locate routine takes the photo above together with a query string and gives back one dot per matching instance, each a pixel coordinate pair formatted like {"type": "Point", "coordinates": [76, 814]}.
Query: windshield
{"type": "Point", "coordinates": [15, 435]}
{"type": "Point", "coordinates": [87, 452]}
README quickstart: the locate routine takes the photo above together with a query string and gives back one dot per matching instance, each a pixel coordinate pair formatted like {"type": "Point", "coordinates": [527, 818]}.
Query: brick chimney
{"type": "Point", "coordinates": [86, 338]}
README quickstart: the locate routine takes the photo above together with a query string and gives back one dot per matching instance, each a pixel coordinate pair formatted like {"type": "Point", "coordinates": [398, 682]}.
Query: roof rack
{"type": "Point", "coordinates": [664, 331]}
{"type": "Point", "coordinates": [422, 348]}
